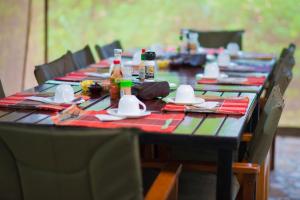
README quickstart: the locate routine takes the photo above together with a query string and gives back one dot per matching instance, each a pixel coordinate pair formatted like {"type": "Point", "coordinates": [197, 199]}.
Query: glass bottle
{"type": "Point", "coordinates": [117, 56]}
{"type": "Point", "coordinates": [125, 87]}
{"type": "Point", "coordinates": [115, 78]}
{"type": "Point", "coordinates": [150, 65]}
{"type": "Point", "coordinates": [142, 68]}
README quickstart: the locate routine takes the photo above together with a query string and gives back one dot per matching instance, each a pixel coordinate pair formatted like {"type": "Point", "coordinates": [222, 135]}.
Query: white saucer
{"type": "Point", "coordinates": [114, 112]}
{"type": "Point", "coordinates": [172, 85]}
{"type": "Point", "coordinates": [198, 100]}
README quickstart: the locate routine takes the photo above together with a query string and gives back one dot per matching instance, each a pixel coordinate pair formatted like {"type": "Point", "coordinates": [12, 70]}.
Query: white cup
{"type": "Point", "coordinates": [185, 94]}
{"type": "Point", "coordinates": [223, 59]}
{"type": "Point", "coordinates": [64, 94]}
{"type": "Point", "coordinates": [129, 104]}
{"type": "Point", "coordinates": [211, 71]}
{"type": "Point", "coordinates": [233, 48]}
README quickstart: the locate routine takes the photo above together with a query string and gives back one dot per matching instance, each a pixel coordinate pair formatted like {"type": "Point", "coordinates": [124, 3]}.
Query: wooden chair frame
{"type": "Point", "coordinates": [165, 186]}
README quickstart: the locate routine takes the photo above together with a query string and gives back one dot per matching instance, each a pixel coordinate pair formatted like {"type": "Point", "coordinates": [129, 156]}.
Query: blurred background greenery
{"type": "Point", "coordinates": [270, 25]}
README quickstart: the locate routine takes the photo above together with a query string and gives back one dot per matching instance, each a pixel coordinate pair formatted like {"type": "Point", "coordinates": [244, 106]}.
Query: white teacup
{"type": "Point", "coordinates": [64, 94]}
{"type": "Point", "coordinates": [185, 94]}
{"type": "Point", "coordinates": [224, 59]}
{"type": "Point", "coordinates": [130, 105]}
{"type": "Point", "coordinates": [233, 48]}
{"type": "Point", "coordinates": [211, 70]}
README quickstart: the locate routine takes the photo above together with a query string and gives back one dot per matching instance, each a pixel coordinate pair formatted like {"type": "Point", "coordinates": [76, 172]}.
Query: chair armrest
{"type": "Point", "coordinates": [246, 137]}
{"type": "Point", "coordinates": [166, 183]}
{"type": "Point", "coordinates": [237, 167]}
{"type": "Point", "coordinates": [245, 168]}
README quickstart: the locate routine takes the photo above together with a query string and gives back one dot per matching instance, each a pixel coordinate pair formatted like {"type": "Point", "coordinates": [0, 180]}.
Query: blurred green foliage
{"type": "Point", "coordinates": [270, 24]}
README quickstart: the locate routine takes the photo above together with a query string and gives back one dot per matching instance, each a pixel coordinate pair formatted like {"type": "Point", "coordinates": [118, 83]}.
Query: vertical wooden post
{"type": "Point", "coordinates": [27, 36]}
{"type": "Point", "coordinates": [46, 6]}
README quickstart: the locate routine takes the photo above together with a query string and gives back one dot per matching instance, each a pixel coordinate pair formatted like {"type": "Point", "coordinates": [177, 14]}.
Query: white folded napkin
{"type": "Point", "coordinates": [104, 117]}
{"type": "Point", "coordinates": [50, 100]}
{"type": "Point", "coordinates": [62, 82]}
{"type": "Point", "coordinates": [207, 104]}
{"type": "Point", "coordinates": [94, 74]}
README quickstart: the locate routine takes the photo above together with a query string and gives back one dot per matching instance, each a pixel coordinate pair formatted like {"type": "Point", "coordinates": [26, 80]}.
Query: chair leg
{"type": "Point", "coordinates": [249, 185]}
{"type": "Point", "coordinates": [174, 192]}
{"type": "Point", "coordinates": [273, 151]}
{"type": "Point", "coordinates": [267, 181]}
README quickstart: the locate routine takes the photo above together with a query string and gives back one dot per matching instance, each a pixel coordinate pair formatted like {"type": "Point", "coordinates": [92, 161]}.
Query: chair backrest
{"type": "Point", "coordinates": [56, 68]}
{"type": "Point", "coordinates": [83, 57]}
{"type": "Point", "coordinates": [69, 163]}
{"type": "Point", "coordinates": [107, 51]}
{"type": "Point", "coordinates": [216, 39]}
{"type": "Point", "coordinates": [266, 128]}
{"type": "Point", "coordinates": [284, 80]}
{"type": "Point", "coordinates": [292, 48]}
{"type": "Point", "coordinates": [2, 94]}
{"type": "Point", "coordinates": [282, 73]}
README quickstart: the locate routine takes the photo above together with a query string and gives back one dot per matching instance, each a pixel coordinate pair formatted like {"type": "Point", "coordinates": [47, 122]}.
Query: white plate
{"type": "Point", "coordinates": [198, 100]}
{"type": "Point", "coordinates": [107, 118]}
{"type": "Point", "coordinates": [114, 112]}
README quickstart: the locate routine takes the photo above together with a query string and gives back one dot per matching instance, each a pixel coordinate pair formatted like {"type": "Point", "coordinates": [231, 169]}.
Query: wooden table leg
{"type": "Point", "coordinates": [224, 174]}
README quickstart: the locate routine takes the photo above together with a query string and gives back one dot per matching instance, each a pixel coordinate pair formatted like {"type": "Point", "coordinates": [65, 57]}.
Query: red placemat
{"type": "Point", "coordinates": [212, 51]}
{"type": "Point", "coordinates": [19, 101]}
{"type": "Point", "coordinates": [150, 123]}
{"type": "Point", "coordinates": [228, 105]}
{"type": "Point", "coordinates": [257, 81]}
{"type": "Point", "coordinates": [101, 64]}
{"type": "Point", "coordinates": [77, 76]}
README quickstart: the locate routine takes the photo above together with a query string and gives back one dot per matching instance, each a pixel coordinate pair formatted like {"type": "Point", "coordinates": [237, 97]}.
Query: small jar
{"type": "Point", "coordinates": [150, 65]}
{"type": "Point", "coordinates": [125, 87]}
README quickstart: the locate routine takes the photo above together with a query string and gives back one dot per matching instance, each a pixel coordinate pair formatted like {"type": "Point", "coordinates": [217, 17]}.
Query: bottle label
{"type": "Point", "coordinates": [149, 72]}
{"type": "Point", "coordinates": [142, 73]}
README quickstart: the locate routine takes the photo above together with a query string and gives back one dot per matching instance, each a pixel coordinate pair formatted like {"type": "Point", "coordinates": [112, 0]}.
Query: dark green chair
{"type": "Point", "coordinates": [62, 163]}
{"type": "Point", "coordinates": [266, 128]}
{"type": "Point", "coordinates": [56, 68]}
{"type": "Point", "coordinates": [83, 57]}
{"type": "Point", "coordinates": [107, 51]}
{"type": "Point", "coordinates": [201, 185]}
{"type": "Point", "coordinates": [216, 39]}
{"type": "Point", "coordinates": [2, 94]}
{"type": "Point", "coordinates": [282, 72]}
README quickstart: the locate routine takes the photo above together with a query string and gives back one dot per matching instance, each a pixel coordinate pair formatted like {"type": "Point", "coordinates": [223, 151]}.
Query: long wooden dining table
{"type": "Point", "coordinates": [218, 133]}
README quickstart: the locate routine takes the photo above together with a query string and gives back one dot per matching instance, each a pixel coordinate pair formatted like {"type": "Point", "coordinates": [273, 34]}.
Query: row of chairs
{"type": "Point", "coordinates": [73, 61]}
{"type": "Point", "coordinates": [251, 170]}
{"type": "Point", "coordinates": [84, 57]}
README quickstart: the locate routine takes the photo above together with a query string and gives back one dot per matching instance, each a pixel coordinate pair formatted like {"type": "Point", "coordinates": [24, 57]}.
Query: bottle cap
{"type": "Point", "coordinates": [150, 55]}
{"type": "Point", "coordinates": [117, 51]}
{"type": "Point", "coordinates": [143, 50]}
{"type": "Point", "coordinates": [125, 83]}
{"type": "Point", "coordinates": [116, 62]}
